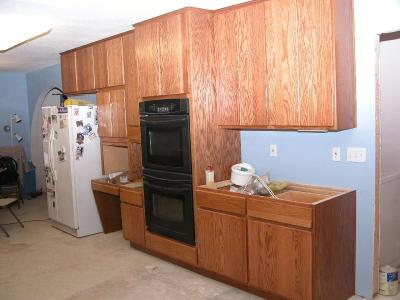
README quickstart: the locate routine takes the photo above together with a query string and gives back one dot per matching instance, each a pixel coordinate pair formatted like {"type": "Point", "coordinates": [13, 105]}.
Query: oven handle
{"type": "Point", "coordinates": [158, 187]}
{"type": "Point", "coordinates": [167, 180]}
{"type": "Point", "coordinates": [152, 119]}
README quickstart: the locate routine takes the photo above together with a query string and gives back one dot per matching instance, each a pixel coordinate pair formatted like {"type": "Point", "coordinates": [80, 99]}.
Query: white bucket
{"type": "Point", "coordinates": [388, 281]}
{"type": "Point", "coordinates": [241, 173]}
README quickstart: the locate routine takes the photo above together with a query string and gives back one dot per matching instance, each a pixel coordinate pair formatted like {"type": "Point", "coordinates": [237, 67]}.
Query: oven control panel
{"type": "Point", "coordinates": [165, 106]}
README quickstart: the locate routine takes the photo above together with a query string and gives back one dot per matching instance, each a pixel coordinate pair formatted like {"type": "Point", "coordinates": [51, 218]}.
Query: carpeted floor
{"type": "Point", "coordinates": [41, 262]}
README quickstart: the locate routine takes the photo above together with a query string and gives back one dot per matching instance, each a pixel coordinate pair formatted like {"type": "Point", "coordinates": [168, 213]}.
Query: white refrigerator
{"type": "Point", "coordinates": [72, 158]}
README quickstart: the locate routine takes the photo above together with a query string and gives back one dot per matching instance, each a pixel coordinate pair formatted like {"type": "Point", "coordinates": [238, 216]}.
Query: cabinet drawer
{"type": "Point", "coordinates": [134, 197]}
{"type": "Point", "coordinates": [274, 210]}
{"type": "Point", "coordinates": [220, 201]}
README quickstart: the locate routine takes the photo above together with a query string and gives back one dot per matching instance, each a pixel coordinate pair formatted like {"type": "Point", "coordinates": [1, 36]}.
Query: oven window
{"type": "Point", "coordinates": [168, 208]}
{"type": "Point", "coordinates": [165, 146]}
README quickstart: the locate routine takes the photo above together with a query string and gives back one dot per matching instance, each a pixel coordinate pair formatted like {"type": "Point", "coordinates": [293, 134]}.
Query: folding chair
{"type": "Point", "coordinates": [6, 203]}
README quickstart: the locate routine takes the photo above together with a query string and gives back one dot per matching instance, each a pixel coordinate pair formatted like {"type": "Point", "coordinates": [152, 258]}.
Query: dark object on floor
{"type": "Point", "coordinates": [6, 203]}
{"type": "Point", "coordinates": [29, 181]}
{"type": "Point", "coordinates": [10, 185]}
{"type": "Point", "coordinates": [37, 193]}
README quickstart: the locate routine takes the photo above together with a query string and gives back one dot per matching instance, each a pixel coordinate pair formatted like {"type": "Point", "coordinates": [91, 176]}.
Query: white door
{"type": "Point", "coordinates": [61, 149]}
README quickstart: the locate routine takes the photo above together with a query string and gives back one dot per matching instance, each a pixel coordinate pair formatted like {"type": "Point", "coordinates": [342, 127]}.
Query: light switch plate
{"type": "Point", "coordinates": [357, 154]}
{"type": "Point", "coordinates": [273, 150]}
{"type": "Point", "coordinates": [336, 153]}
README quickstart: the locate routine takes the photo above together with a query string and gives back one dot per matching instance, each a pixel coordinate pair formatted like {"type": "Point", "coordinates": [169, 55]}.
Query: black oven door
{"type": "Point", "coordinates": [166, 142]}
{"type": "Point", "coordinates": [169, 206]}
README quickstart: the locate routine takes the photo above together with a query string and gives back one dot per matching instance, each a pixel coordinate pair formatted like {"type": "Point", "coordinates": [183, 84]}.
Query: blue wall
{"type": "Point", "coordinates": [13, 99]}
{"type": "Point", "coordinates": [40, 81]}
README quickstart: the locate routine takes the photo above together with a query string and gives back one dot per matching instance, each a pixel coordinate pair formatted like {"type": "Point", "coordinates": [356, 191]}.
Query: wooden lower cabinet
{"type": "Point", "coordinates": [221, 244]}
{"type": "Point", "coordinates": [280, 259]}
{"type": "Point", "coordinates": [133, 223]}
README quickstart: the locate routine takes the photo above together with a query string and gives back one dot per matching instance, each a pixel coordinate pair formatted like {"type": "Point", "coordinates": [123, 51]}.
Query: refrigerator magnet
{"type": "Point", "coordinates": [54, 118]}
{"type": "Point", "coordinates": [79, 152]}
{"type": "Point", "coordinates": [80, 138]}
{"type": "Point", "coordinates": [62, 124]}
{"type": "Point", "coordinates": [79, 123]}
{"type": "Point", "coordinates": [76, 111]}
{"type": "Point", "coordinates": [61, 154]}
{"type": "Point", "coordinates": [89, 114]}
{"type": "Point", "coordinates": [92, 136]}
{"type": "Point", "coordinates": [87, 129]}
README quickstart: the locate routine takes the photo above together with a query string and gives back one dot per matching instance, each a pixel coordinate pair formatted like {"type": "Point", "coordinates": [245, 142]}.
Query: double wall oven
{"type": "Point", "coordinates": [167, 174]}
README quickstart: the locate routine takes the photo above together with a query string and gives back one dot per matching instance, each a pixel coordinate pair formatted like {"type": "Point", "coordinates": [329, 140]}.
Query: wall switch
{"type": "Point", "coordinates": [336, 153]}
{"type": "Point", "coordinates": [273, 150]}
{"type": "Point", "coordinates": [355, 154]}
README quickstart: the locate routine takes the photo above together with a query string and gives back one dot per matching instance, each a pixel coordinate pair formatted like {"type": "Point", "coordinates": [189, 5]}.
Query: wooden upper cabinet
{"type": "Point", "coordinates": [104, 114]}
{"type": "Point", "coordinates": [280, 260]}
{"type": "Point", "coordinates": [282, 63]}
{"type": "Point", "coordinates": [111, 113]}
{"type": "Point", "coordinates": [171, 55]}
{"type": "Point", "coordinates": [241, 64]}
{"type": "Point", "coordinates": [118, 117]}
{"type": "Point", "coordinates": [85, 69]}
{"type": "Point", "coordinates": [130, 74]}
{"type": "Point", "coordinates": [294, 71]}
{"type": "Point", "coordinates": [68, 72]}
{"type": "Point", "coordinates": [115, 64]}
{"type": "Point", "coordinates": [221, 244]}
{"type": "Point", "coordinates": [160, 56]}
{"type": "Point", "coordinates": [100, 65]}
{"type": "Point", "coordinates": [147, 49]}
{"type": "Point", "coordinates": [316, 57]}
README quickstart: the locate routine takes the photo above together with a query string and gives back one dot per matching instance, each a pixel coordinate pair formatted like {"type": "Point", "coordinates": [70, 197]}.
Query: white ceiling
{"type": "Point", "coordinates": [78, 22]}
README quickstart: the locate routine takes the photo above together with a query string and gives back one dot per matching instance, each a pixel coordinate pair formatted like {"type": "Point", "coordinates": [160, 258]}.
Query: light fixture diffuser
{"type": "Point", "coordinates": [19, 29]}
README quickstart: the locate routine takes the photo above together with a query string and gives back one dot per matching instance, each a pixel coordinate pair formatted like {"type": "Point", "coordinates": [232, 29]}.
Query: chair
{"type": "Point", "coordinates": [9, 179]}
{"type": "Point", "coordinates": [6, 203]}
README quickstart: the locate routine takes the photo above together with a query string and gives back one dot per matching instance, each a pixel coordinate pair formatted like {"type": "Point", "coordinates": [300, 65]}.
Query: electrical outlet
{"type": "Point", "coordinates": [273, 150]}
{"type": "Point", "coordinates": [355, 154]}
{"type": "Point", "coordinates": [336, 153]}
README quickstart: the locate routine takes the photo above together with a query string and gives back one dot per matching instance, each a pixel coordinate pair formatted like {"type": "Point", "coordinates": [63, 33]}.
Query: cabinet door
{"type": "Point", "coordinates": [250, 39]}
{"type": "Point", "coordinates": [132, 106]}
{"type": "Point", "coordinates": [132, 223]}
{"type": "Point", "coordinates": [115, 64]}
{"type": "Point", "coordinates": [147, 50]}
{"type": "Point", "coordinates": [282, 63]}
{"type": "Point", "coordinates": [171, 55]}
{"type": "Point", "coordinates": [316, 55]}
{"type": "Point", "coordinates": [227, 84]}
{"type": "Point", "coordinates": [100, 65]}
{"type": "Point", "coordinates": [104, 114]}
{"type": "Point", "coordinates": [241, 66]}
{"type": "Point", "coordinates": [280, 259]}
{"type": "Point", "coordinates": [221, 241]}
{"type": "Point", "coordinates": [85, 69]}
{"type": "Point", "coordinates": [68, 72]}
{"type": "Point", "coordinates": [118, 116]}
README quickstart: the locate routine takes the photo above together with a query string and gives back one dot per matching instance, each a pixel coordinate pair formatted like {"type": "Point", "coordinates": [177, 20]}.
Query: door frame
{"type": "Point", "coordinates": [392, 35]}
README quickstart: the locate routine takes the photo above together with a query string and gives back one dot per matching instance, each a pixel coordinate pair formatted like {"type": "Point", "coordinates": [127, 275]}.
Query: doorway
{"type": "Point", "coordinates": [388, 152]}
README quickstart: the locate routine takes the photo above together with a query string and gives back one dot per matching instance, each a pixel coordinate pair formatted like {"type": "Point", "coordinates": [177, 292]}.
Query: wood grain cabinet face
{"type": "Point", "coordinates": [111, 113]}
{"type": "Point", "coordinates": [100, 65]}
{"type": "Point", "coordinates": [280, 260]}
{"type": "Point", "coordinates": [118, 117]}
{"type": "Point", "coordinates": [240, 66]}
{"type": "Point", "coordinates": [115, 64]}
{"type": "Point", "coordinates": [159, 54]}
{"type": "Point", "coordinates": [221, 241]}
{"type": "Point", "coordinates": [104, 114]}
{"type": "Point", "coordinates": [68, 72]}
{"type": "Point", "coordinates": [133, 223]}
{"type": "Point", "coordinates": [85, 69]}
{"type": "Point", "coordinates": [130, 73]}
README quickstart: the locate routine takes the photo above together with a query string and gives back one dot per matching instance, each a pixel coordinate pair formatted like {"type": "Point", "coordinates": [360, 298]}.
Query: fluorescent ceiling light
{"type": "Point", "coordinates": [19, 29]}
